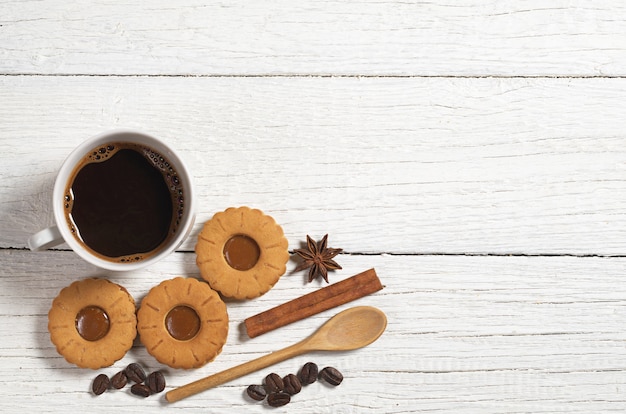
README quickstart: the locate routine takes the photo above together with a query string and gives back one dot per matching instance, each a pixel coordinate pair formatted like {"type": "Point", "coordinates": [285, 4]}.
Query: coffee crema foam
{"type": "Point", "coordinates": [135, 227]}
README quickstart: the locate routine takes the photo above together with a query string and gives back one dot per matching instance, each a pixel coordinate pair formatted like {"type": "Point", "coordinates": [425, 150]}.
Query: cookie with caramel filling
{"type": "Point", "coordinates": [92, 323]}
{"type": "Point", "coordinates": [183, 323]}
{"type": "Point", "coordinates": [242, 252]}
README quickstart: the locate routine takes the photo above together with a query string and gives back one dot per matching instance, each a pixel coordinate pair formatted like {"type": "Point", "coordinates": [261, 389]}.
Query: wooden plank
{"type": "Point", "coordinates": [396, 165]}
{"type": "Point", "coordinates": [495, 334]}
{"type": "Point", "coordinates": [278, 37]}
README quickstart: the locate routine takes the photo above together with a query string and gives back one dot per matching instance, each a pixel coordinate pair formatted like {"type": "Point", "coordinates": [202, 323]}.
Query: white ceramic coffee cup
{"type": "Point", "coordinates": [60, 232]}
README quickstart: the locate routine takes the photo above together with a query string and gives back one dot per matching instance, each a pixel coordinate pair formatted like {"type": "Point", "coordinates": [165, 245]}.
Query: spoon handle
{"type": "Point", "coordinates": [211, 381]}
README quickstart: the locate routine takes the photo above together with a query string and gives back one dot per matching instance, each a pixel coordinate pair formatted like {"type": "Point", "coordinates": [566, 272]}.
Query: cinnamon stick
{"type": "Point", "coordinates": [312, 303]}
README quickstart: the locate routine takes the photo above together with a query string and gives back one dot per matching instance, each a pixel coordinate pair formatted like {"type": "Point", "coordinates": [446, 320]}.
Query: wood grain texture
{"type": "Point", "coordinates": [478, 166]}
{"type": "Point", "coordinates": [467, 334]}
{"type": "Point", "coordinates": [278, 37]}
{"type": "Point", "coordinates": [472, 152]}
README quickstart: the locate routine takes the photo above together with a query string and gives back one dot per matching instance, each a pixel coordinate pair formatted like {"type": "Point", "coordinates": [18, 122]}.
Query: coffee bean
{"type": "Point", "coordinates": [278, 399]}
{"type": "Point", "coordinates": [256, 392]}
{"type": "Point", "coordinates": [274, 383]}
{"type": "Point", "coordinates": [119, 380]}
{"type": "Point", "coordinates": [331, 375]}
{"type": "Point", "coordinates": [308, 373]}
{"type": "Point", "coordinates": [100, 384]}
{"type": "Point", "coordinates": [292, 384]}
{"type": "Point", "coordinates": [156, 382]}
{"type": "Point", "coordinates": [141, 390]}
{"type": "Point", "coordinates": [135, 373]}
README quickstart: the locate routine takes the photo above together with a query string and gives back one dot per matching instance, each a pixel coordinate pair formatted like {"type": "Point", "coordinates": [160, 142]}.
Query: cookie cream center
{"type": "Point", "coordinates": [182, 323]}
{"type": "Point", "coordinates": [241, 252]}
{"type": "Point", "coordinates": [92, 323]}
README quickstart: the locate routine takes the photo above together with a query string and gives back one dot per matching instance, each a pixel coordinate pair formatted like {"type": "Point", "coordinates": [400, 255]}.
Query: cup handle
{"type": "Point", "coordinates": [44, 239]}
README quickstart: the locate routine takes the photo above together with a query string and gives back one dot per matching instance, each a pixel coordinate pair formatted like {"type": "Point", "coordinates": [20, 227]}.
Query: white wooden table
{"type": "Point", "coordinates": [473, 153]}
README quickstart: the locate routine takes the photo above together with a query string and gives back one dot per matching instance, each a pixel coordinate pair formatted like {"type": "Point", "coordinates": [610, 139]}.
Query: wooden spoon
{"type": "Point", "coordinates": [351, 329]}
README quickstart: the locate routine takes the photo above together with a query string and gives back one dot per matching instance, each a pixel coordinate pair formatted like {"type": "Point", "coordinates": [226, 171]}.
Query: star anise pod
{"type": "Point", "coordinates": [318, 257]}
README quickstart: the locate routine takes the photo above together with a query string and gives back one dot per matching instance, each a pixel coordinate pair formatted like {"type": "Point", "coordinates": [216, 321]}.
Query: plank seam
{"type": "Point", "coordinates": [449, 254]}
{"type": "Point", "coordinates": [302, 75]}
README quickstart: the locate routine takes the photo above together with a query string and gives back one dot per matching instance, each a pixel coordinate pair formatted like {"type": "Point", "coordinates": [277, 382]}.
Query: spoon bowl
{"type": "Point", "coordinates": [351, 329]}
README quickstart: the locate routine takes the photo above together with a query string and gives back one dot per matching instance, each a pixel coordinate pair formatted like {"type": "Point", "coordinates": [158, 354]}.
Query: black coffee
{"type": "Point", "coordinates": [124, 201]}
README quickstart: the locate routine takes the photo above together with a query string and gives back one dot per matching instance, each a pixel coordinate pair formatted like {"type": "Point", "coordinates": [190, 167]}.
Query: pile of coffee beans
{"type": "Point", "coordinates": [144, 385]}
{"type": "Point", "coordinates": [279, 390]}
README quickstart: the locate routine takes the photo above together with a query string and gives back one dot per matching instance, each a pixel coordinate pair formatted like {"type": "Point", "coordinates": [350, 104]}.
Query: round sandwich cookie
{"type": "Point", "coordinates": [183, 323]}
{"type": "Point", "coordinates": [242, 252]}
{"type": "Point", "coordinates": [92, 323]}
